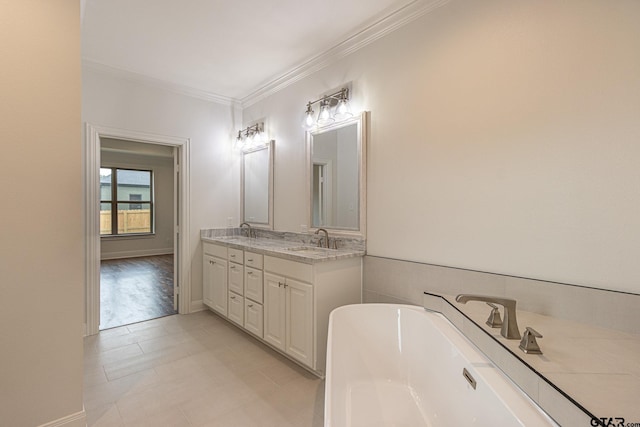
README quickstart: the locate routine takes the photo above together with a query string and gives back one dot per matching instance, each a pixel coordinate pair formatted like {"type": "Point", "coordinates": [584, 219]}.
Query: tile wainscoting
{"type": "Point", "coordinates": [404, 282]}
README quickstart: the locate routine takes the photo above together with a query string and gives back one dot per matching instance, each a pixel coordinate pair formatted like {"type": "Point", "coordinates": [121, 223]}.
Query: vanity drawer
{"type": "Point", "coordinates": [253, 284]}
{"type": "Point", "coordinates": [236, 278]}
{"type": "Point", "coordinates": [236, 255]}
{"type": "Point", "coordinates": [236, 308]}
{"type": "Point", "coordinates": [285, 267]}
{"type": "Point", "coordinates": [214, 250]}
{"type": "Point", "coordinates": [253, 260]}
{"type": "Point", "coordinates": [253, 318]}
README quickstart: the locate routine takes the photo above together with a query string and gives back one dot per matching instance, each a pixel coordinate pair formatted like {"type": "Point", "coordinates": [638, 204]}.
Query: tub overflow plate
{"type": "Point", "coordinates": [467, 376]}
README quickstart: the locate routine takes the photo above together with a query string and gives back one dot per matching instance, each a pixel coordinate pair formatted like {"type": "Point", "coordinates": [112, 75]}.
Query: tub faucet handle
{"type": "Point", "coordinates": [494, 320]}
{"type": "Point", "coordinates": [529, 344]}
{"type": "Point", "coordinates": [509, 328]}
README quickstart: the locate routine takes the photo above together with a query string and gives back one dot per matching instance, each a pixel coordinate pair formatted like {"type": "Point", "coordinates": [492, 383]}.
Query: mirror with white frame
{"type": "Point", "coordinates": [336, 173]}
{"type": "Point", "coordinates": [256, 205]}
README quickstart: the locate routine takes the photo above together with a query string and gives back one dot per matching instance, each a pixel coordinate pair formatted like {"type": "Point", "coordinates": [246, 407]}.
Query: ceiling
{"type": "Point", "coordinates": [230, 49]}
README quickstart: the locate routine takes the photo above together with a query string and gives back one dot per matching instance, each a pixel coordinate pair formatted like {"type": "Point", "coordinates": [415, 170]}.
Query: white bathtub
{"type": "Point", "coordinates": [400, 365]}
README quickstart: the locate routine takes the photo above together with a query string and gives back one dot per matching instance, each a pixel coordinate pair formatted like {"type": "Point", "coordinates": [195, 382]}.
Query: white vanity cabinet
{"type": "Point", "coordinates": [236, 286]}
{"type": "Point", "coordinates": [283, 302]}
{"type": "Point", "coordinates": [215, 277]}
{"type": "Point", "coordinates": [236, 278]}
{"type": "Point", "coordinates": [253, 293]}
{"type": "Point", "coordinates": [298, 298]}
{"type": "Point", "coordinates": [232, 289]}
{"type": "Point", "coordinates": [288, 316]}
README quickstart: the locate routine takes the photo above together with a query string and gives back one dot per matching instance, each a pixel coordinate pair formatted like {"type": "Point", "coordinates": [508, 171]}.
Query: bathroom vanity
{"type": "Point", "coordinates": [281, 291]}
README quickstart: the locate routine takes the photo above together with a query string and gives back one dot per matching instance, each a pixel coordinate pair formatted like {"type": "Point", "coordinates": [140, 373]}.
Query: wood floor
{"type": "Point", "coordinates": [135, 289]}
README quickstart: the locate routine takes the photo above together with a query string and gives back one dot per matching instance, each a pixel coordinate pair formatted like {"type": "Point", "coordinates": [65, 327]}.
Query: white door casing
{"type": "Point", "coordinates": [93, 134]}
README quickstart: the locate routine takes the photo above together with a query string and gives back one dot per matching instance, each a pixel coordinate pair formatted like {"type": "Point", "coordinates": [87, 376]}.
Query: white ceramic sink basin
{"type": "Point", "coordinates": [310, 250]}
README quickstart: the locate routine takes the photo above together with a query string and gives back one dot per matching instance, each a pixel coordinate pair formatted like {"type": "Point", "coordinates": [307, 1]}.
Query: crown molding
{"type": "Point", "coordinates": [361, 38]}
{"type": "Point", "coordinates": [365, 36]}
{"type": "Point", "coordinates": [157, 83]}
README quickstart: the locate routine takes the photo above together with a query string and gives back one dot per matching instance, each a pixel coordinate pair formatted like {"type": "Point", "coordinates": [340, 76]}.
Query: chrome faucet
{"type": "Point", "coordinates": [326, 236]}
{"type": "Point", "coordinates": [509, 328]}
{"type": "Point", "coordinates": [248, 228]}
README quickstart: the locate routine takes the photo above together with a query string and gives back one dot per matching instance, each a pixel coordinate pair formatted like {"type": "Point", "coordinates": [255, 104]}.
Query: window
{"type": "Point", "coordinates": [118, 188]}
{"type": "Point", "coordinates": [135, 197]}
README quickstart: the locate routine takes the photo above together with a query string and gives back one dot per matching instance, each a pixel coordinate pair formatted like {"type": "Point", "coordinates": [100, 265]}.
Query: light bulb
{"type": "Point", "coordinates": [251, 140]}
{"type": "Point", "coordinates": [260, 137]}
{"type": "Point", "coordinates": [324, 117]}
{"type": "Point", "coordinates": [238, 142]}
{"type": "Point", "coordinates": [343, 110]}
{"type": "Point", "coordinates": [309, 119]}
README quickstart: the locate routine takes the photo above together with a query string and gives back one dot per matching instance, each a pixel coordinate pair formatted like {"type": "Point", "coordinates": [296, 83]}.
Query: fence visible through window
{"type": "Point", "coordinates": [118, 188]}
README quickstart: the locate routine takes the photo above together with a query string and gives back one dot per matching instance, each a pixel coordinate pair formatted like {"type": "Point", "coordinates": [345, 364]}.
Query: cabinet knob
{"type": "Point", "coordinates": [280, 284]}
{"type": "Point", "coordinates": [250, 260]}
{"type": "Point", "coordinates": [249, 272]}
{"type": "Point", "coordinates": [250, 305]}
{"type": "Point", "coordinates": [211, 262]}
{"type": "Point", "coordinates": [233, 297]}
{"type": "Point", "coordinates": [232, 256]}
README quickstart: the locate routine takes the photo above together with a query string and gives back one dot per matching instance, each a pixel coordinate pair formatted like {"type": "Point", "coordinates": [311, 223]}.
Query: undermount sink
{"type": "Point", "coordinates": [310, 250]}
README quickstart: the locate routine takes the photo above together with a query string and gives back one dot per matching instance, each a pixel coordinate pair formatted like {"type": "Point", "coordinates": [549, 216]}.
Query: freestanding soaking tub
{"type": "Point", "coordinates": [400, 365]}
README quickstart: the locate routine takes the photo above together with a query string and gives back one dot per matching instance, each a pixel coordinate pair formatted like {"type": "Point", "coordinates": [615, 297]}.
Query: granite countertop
{"type": "Point", "coordinates": [292, 250]}
{"type": "Point", "coordinates": [597, 368]}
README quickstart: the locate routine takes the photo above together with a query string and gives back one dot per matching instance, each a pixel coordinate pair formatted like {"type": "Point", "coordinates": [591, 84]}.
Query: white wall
{"type": "Point", "coordinates": [161, 242]}
{"type": "Point", "coordinates": [504, 138]}
{"type": "Point", "coordinates": [111, 101]}
{"type": "Point", "coordinates": [41, 235]}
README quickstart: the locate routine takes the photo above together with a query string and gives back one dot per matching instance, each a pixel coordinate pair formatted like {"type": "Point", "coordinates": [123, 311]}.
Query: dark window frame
{"type": "Point", "coordinates": [114, 202]}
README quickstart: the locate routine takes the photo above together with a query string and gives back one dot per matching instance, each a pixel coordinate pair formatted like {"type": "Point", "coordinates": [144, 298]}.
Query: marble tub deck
{"type": "Point", "coordinates": [584, 370]}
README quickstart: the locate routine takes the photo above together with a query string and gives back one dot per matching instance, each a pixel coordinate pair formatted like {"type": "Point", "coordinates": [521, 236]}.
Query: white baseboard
{"type": "Point", "coordinates": [135, 254]}
{"type": "Point", "coordinates": [79, 419]}
{"type": "Point", "coordinates": [197, 306]}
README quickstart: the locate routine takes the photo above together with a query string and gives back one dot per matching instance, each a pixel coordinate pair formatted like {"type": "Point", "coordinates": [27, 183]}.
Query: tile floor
{"type": "Point", "coordinates": [194, 370]}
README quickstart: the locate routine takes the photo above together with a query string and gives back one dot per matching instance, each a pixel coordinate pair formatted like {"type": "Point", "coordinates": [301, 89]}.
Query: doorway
{"type": "Point", "coordinates": [180, 227]}
{"type": "Point", "coordinates": [137, 206]}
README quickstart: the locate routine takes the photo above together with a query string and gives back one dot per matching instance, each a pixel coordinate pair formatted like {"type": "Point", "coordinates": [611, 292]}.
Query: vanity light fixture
{"type": "Point", "coordinates": [338, 101]}
{"type": "Point", "coordinates": [252, 136]}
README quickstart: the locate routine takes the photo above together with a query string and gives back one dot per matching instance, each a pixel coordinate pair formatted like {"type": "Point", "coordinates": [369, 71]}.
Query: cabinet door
{"type": "Point", "coordinates": [236, 278]}
{"type": "Point", "coordinates": [299, 322]}
{"type": "Point", "coordinates": [207, 285]}
{"type": "Point", "coordinates": [215, 284]}
{"type": "Point", "coordinates": [274, 310]}
{"type": "Point", "coordinates": [236, 308]}
{"type": "Point", "coordinates": [253, 317]}
{"type": "Point", "coordinates": [253, 284]}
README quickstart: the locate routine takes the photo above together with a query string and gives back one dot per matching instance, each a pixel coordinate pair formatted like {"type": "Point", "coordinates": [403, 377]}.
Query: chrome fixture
{"type": "Point", "coordinates": [529, 344]}
{"type": "Point", "coordinates": [326, 237]}
{"type": "Point", "coordinates": [338, 101]}
{"type": "Point", "coordinates": [252, 137]}
{"type": "Point", "coordinates": [494, 320]}
{"type": "Point", "coordinates": [249, 233]}
{"type": "Point", "coordinates": [509, 328]}
{"type": "Point", "coordinates": [467, 376]}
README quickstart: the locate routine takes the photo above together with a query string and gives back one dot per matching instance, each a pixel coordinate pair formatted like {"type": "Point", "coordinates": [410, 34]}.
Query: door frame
{"type": "Point", "coordinates": [93, 134]}
{"type": "Point", "coordinates": [325, 201]}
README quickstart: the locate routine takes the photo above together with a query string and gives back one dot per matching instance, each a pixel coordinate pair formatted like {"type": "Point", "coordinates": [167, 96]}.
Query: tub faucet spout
{"type": "Point", "coordinates": [509, 328]}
